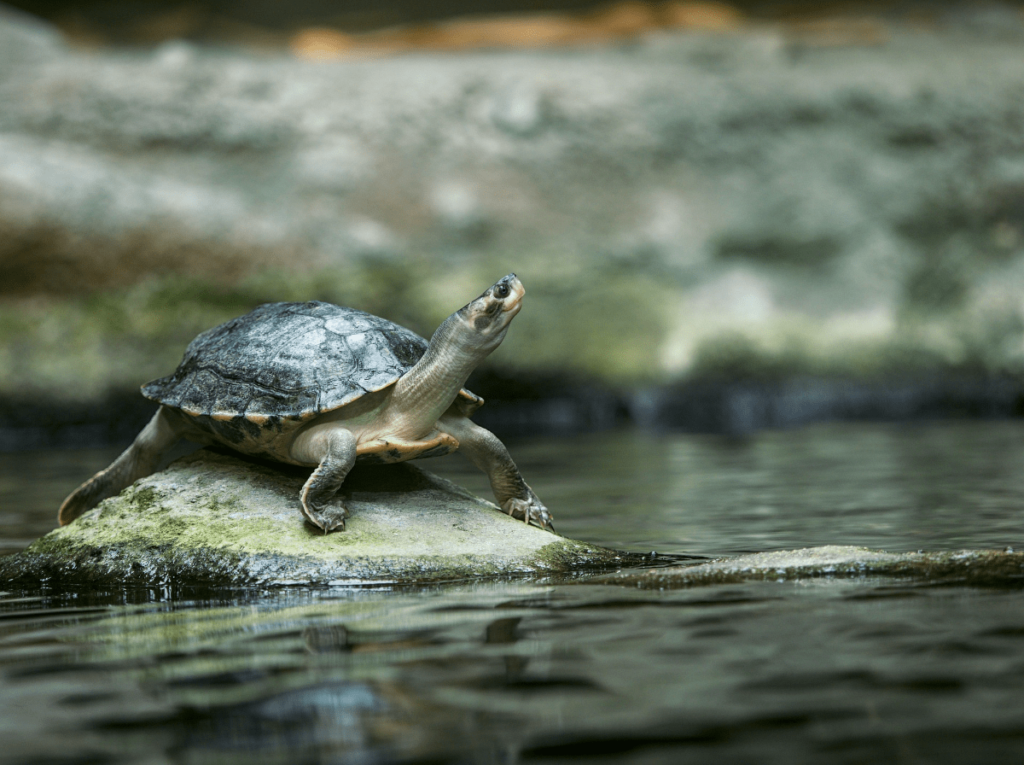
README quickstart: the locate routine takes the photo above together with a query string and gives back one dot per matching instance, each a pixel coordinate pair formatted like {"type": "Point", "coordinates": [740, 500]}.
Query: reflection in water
{"type": "Point", "coordinates": [506, 672]}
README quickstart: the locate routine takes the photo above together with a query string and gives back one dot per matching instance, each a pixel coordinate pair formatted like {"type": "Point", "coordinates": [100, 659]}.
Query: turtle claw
{"type": "Point", "coordinates": [327, 518]}
{"type": "Point", "coordinates": [529, 511]}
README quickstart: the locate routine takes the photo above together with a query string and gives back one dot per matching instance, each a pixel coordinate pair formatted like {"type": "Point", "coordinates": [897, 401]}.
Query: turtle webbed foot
{"type": "Point", "coordinates": [529, 510]}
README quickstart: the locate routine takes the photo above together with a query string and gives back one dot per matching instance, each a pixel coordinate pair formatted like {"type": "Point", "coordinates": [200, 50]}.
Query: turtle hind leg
{"type": "Point", "coordinates": [137, 461]}
{"type": "Point", "coordinates": [335, 447]}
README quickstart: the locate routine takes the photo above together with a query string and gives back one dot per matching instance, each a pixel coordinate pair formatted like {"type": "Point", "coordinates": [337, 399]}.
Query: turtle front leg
{"type": "Point", "coordinates": [488, 453]}
{"type": "Point", "coordinates": [336, 449]}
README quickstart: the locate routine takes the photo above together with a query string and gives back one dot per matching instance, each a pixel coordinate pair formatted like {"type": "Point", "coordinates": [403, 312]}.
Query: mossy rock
{"type": "Point", "coordinates": [213, 519]}
{"type": "Point", "coordinates": [976, 568]}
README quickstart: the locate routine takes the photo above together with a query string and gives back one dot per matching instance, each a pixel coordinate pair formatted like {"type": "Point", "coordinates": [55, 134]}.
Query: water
{"type": "Point", "coordinates": [536, 672]}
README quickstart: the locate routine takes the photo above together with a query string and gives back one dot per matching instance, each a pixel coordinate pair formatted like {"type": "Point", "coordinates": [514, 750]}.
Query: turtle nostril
{"type": "Point", "coordinates": [502, 290]}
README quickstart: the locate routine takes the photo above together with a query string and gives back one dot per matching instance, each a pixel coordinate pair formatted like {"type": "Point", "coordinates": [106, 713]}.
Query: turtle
{"type": "Point", "coordinates": [324, 386]}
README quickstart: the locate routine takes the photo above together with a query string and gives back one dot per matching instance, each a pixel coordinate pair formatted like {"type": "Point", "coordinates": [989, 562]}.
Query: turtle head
{"type": "Point", "coordinates": [482, 323]}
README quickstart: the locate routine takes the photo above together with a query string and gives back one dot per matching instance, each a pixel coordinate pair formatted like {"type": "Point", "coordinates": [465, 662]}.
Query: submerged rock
{"type": "Point", "coordinates": [983, 568]}
{"type": "Point", "coordinates": [211, 518]}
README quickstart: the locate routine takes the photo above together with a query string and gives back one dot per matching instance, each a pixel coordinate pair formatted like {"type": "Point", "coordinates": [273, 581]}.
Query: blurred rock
{"type": "Point", "coordinates": [25, 40]}
{"type": "Point", "coordinates": [680, 208]}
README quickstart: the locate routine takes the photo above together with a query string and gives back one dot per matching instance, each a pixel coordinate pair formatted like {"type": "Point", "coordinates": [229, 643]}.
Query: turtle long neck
{"type": "Point", "coordinates": [426, 391]}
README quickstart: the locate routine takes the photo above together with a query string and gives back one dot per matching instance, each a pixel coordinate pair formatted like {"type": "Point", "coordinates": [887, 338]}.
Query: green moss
{"type": "Point", "coordinates": [573, 556]}
{"type": "Point", "coordinates": [145, 499]}
{"type": "Point", "coordinates": [54, 544]}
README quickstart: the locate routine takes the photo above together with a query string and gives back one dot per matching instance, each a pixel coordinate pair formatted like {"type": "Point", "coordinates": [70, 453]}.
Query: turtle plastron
{"type": "Point", "coordinates": [392, 449]}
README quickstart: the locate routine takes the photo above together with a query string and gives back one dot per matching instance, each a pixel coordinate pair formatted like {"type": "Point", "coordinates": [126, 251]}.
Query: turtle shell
{"type": "Point", "coordinates": [290, 360]}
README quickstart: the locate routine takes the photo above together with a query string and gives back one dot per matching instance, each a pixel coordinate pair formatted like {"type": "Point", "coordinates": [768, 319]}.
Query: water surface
{"type": "Point", "coordinates": [541, 671]}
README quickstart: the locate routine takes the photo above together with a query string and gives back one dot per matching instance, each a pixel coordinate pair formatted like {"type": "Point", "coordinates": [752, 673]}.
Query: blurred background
{"type": "Point", "coordinates": [727, 216]}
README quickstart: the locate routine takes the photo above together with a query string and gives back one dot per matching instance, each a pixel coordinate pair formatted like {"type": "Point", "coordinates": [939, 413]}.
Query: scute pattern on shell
{"type": "Point", "coordinates": [288, 360]}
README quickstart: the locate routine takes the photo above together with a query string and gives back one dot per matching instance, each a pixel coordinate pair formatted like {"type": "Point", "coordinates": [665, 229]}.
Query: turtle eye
{"type": "Point", "coordinates": [502, 290]}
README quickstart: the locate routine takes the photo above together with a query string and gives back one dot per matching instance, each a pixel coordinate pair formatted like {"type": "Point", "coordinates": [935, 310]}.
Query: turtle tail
{"type": "Point", "coordinates": [137, 461]}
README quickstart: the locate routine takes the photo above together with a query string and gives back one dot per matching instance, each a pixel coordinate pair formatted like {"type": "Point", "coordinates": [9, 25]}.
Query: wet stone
{"type": "Point", "coordinates": [979, 568]}
{"type": "Point", "coordinates": [211, 518]}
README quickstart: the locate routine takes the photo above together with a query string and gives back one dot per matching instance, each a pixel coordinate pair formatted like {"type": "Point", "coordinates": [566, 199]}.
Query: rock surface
{"type": "Point", "coordinates": [969, 567]}
{"type": "Point", "coordinates": [212, 519]}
